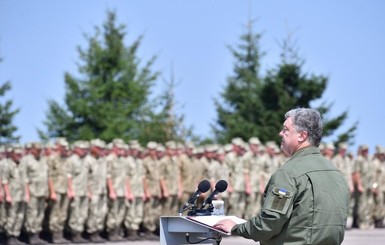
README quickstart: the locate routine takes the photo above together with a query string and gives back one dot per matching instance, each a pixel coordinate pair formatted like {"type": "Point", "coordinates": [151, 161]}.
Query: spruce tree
{"type": "Point", "coordinates": [7, 114]}
{"type": "Point", "coordinates": [254, 105]}
{"type": "Point", "coordinates": [240, 107]}
{"type": "Point", "coordinates": [109, 99]}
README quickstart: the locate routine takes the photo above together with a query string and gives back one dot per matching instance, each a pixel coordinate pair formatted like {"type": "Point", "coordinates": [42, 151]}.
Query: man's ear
{"type": "Point", "coordinates": [302, 136]}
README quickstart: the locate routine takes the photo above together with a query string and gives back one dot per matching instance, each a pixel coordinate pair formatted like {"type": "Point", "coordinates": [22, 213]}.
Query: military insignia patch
{"type": "Point", "coordinates": [279, 200]}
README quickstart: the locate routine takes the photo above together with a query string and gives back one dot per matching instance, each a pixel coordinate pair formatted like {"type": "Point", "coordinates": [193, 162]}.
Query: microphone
{"type": "Point", "coordinates": [203, 187]}
{"type": "Point", "coordinates": [220, 186]}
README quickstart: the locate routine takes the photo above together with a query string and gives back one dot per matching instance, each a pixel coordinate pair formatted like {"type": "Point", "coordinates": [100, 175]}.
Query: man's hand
{"type": "Point", "coordinates": [225, 225]}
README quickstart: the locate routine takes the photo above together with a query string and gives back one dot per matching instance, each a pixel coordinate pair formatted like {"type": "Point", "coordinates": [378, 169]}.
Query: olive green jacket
{"type": "Point", "coordinates": [305, 202]}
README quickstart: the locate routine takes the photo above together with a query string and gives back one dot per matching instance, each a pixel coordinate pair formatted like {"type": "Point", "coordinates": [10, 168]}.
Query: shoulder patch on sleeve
{"type": "Point", "coordinates": [279, 200]}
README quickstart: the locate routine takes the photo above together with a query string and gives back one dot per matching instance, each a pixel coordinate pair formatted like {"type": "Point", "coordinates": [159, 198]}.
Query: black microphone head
{"type": "Point", "coordinates": [221, 185]}
{"type": "Point", "coordinates": [204, 186]}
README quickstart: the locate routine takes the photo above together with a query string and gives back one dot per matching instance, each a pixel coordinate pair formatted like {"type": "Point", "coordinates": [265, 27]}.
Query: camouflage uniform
{"type": "Point", "coordinates": [170, 176]}
{"type": "Point", "coordinates": [58, 198]}
{"type": "Point", "coordinates": [13, 180]}
{"type": "Point", "coordinates": [191, 171]}
{"type": "Point", "coordinates": [116, 179]}
{"type": "Point", "coordinates": [152, 192]}
{"type": "Point", "coordinates": [37, 181]}
{"type": "Point", "coordinates": [254, 164]}
{"type": "Point", "coordinates": [379, 188]}
{"type": "Point", "coordinates": [78, 172]}
{"type": "Point", "coordinates": [239, 179]}
{"type": "Point", "coordinates": [97, 187]}
{"type": "Point", "coordinates": [135, 212]}
{"type": "Point", "coordinates": [364, 172]}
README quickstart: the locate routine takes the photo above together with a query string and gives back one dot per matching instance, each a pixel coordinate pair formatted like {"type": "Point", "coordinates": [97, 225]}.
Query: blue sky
{"type": "Point", "coordinates": [343, 40]}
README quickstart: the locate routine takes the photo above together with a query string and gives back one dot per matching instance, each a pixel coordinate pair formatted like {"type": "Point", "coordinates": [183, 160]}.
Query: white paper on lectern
{"type": "Point", "coordinates": [210, 221]}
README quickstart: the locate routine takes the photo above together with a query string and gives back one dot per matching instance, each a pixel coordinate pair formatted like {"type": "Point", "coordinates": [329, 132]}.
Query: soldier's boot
{"type": "Point", "coordinates": [11, 240]}
{"type": "Point", "coordinates": [378, 223]}
{"type": "Point", "coordinates": [148, 235]}
{"type": "Point", "coordinates": [114, 236]}
{"type": "Point", "coordinates": [34, 239]}
{"type": "Point", "coordinates": [133, 235]}
{"type": "Point", "coordinates": [95, 238]}
{"type": "Point", "coordinates": [77, 238]}
{"type": "Point", "coordinates": [57, 238]}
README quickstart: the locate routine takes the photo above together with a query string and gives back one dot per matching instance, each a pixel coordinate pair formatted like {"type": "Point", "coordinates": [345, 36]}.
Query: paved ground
{"type": "Point", "coordinates": [352, 237]}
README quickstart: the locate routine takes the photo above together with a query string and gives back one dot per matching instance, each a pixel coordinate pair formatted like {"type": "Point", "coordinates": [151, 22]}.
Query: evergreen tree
{"type": "Point", "coordinates": [7, 128]}
{"type": "Point", "coordinates": [110, 98]}
{"type": "Point", "coordinates": [240, 110]}
{"type": "Point", "coordinates": [254, 105]}
{"type": "Point", "coordinates": [288, 87]}
{"type": "Point", "coordinates": [167, 124]}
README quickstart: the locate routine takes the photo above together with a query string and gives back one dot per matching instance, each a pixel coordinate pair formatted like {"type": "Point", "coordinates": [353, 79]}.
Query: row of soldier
{"type": "Point", "coordinates": [94, 188]}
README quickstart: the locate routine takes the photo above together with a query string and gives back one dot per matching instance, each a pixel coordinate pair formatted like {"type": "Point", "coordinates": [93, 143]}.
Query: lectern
{"type": "Point", "coordinates": [187, 230]}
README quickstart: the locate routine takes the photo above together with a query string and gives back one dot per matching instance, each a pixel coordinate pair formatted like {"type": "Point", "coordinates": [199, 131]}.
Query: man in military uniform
{"type": "Point", "coordinates": [57, 186]}
{"type": "Point", "coordinates": [13, 180]}
{"type": "Point", "coordinates": [98, 192]}
{"type": "Point", "coordinates": [118, 190]}
{"type": "Point", "coordinates": [363, 175]}
{"type": "Point", "coordinates": [239, 178]}
{"type": "Point", "coordinates": [36, 170]}
{"type": "Point", "coordinates": [3, 162]}
{"type": "Point", "coordinates": [134, 207]}
{"type": "Point", "coordinates": [152, 192]}
{"type": "Point", "coordinates": [255, 166]}
{"type": "Point", "coordinates": [306, 200]}
{"type": "Point", "coordinates": [191, 171]}
{"type": "Point", "coordinates": [344, 164]}
{"type": "Point", "coordinates": [171, 181]}
{"type": "Point", "coordinates": [379, 187]}
{"type": "Point", "coordinates": [78, 192]}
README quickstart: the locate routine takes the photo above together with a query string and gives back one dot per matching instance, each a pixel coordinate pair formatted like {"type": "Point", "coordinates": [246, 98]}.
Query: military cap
{"type": "Point", "coordinates": [238, 141]}
{"type": "Point", "coordinates": [135, 146]}
{"type": "Point", "coordinates": [211, 148]}
{"type": "Point", "coordinates": [98, 143]}
{"type": "Point", "coordinates": [110, 146]}
{"type": "Point", "coordinates": [48, 145]}
{"type": "Point", "coordinates": [228, 147]}
{"type": "Point", "coordinates": [190, 145]}
{"type": "Point", "coordinates": [363, 147]}
{"type": "Point", "coordinates": [343, 145]}
{"type": "Point", "coordinates": [28, 145]}
{"type": "Point", "coordinates": [118, 141]}
{"type": "Point", "coordinates": [152, 145]}
{"type": "Point", "coordinates": [80, 144]}
{"type": "Point", "coordinates": [16, 148]}
{"type": "Point", "coordinates": [330, 146]}
{"type": "Point", "coordinates": [254, 141]}
{"type": "Point", "coordinates": [133, 142]}
{"type": "Point", "coordinates": [160, 148]}
{"type": "Point", "coordinates": [381, 150]}
{"type": "Point", "coordinates": [62, 141]}
{"type": "Point", "coordinates": [271, 144]}
{"type": "Point", "coordinates": [171, 144]}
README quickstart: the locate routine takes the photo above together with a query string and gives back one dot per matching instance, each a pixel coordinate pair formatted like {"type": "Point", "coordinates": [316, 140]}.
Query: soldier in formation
{"type": "Point", "coordinates": [93, 191]}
